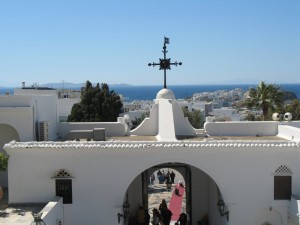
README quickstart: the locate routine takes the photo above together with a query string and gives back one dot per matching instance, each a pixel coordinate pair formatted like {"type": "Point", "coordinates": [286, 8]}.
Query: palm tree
{"type": "Point", "coordinates": [264, 97]}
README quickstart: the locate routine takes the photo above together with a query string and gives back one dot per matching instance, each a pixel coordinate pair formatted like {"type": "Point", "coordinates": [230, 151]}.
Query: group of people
{"type": "Point", "coordinates": [165, 177]}
{"type": "Point", "coordinates": [162, 215]}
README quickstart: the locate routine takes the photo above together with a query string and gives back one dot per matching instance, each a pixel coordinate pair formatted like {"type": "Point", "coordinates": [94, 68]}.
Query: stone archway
{"type": "Point", "coordinates": [8, 134]}
{"type": "Point", "coordinates": [202, 194]}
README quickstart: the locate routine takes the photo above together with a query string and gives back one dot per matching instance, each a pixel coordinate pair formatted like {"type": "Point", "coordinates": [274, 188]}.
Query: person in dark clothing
{"type": "Point", "coordinates": [147, 217]}
{"type": "Point", "coordinates": [182, 220]}
{"type": "Point", "coordinates": [177, 191]}
{"type": "Point", "coordinates": [158, 173]}
{"type": "Point", "coordinates": [163, 205]}
{"type": "Point", "coordinates": [156, 220]}
{"type": "Point", "coordinates": [168, 176]}
{"type": "Point", "coordinates": [166, 215]}
{"type": "Point", "coordinates": [172, 176]}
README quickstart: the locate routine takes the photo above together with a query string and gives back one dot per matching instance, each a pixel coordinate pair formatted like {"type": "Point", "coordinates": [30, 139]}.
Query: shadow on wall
{"type": "Point", "coordinates": [8, 134]}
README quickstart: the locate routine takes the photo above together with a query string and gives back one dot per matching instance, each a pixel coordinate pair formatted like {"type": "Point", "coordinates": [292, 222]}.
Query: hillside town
{"type": "Point", "coordinates": [221, 105]}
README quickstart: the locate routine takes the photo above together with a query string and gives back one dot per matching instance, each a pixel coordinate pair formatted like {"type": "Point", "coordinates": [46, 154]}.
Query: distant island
{"type": "Point", "coordinates": [67, 85]}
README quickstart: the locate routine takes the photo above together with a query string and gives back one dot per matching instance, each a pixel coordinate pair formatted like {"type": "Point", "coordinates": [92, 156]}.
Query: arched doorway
{"type": "Point", "coordinates": [170, 185]}
{"type": "Point", "coordinates": [8, 133]}
{"type": "Point", "coordinates": [201, 194]}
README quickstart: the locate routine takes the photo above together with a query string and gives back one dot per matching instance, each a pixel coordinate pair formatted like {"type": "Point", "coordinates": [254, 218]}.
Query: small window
{"type": "Point", "coordinates": [64, 189]}
{"type": "Point", "coordinates": [282, 187]}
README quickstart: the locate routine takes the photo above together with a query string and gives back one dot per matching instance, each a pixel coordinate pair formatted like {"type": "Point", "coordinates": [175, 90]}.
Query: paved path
{"type": "Point", "coordinates": [159, 192]}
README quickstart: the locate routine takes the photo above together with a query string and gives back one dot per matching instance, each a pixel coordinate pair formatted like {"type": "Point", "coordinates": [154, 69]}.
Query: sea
{"type": "Point", "coordinates": [131, 93]}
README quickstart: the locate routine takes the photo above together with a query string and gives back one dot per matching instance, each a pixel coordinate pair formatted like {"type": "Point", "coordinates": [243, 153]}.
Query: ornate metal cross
{"type": "Point", "coordinates": [165, 63]}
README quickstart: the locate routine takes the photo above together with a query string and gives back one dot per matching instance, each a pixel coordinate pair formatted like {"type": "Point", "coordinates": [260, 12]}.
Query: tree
{"type": "Point", "coordinates": [250, 116]}
{"type": "Point", "coordinates": [3, 162]}
{"type": "Point", "coordinates": [135, 123]}
{"type": "Point", "coordinates": [264, 97]}
{"type": "Point", "coordinates": [98, 104]}
{"type": "Point", "coordinates": [293, 108]}
{"type": "Point", "coordinates": [194, 117]}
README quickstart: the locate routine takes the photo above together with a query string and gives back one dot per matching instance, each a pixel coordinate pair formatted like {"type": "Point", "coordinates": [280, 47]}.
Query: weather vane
{"type": "Point", "coordinates": [165, 63]}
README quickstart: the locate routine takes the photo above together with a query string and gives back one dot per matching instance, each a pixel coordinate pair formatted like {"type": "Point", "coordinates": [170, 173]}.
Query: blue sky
{"type": "Point", "coordinates": [218, 41]}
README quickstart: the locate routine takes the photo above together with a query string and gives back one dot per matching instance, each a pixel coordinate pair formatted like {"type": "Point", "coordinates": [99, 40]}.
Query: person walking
{"type": "Point", "coordinates": [172, 176]}
{"type": "Point", "coordinates": [166, 215]}
{"type": "Point", "coordinates": [182, 220]}
{"type": "Point", "coordinates": [156, 220]}
{"type": "Point", "coordinates": [163, 205]}
{"type": "Point", "coordinates": [152, 179]}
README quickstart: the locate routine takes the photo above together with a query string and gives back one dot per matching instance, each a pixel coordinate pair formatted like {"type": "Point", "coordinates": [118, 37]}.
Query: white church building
{"type": "Point", "coordinates": [237, 173]}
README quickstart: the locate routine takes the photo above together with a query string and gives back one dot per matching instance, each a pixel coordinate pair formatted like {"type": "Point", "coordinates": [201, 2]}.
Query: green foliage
{"type": "Point", "coordinates": [135, 123]}
{"type": "Point", "coordinates": [3, 161]}
{"type": "Point", "coordinates": [249, 116]}
{"type": "Point", "coordinates": [98, 104]}
{"type": "Point", "coordinates": [264, 97]}
{"type": "Point", "coordinates": [293, 108]}
{"type": "Point", "coordinates": [195, 117]}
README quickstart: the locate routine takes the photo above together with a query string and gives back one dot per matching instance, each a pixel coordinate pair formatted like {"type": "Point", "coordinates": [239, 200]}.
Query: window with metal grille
{"type": "Point", "coordinates": [64, 189]}
{"type": "Point", "coordinates": [282, 183]}
{"type": "Point", "coordinates": [282, 187]}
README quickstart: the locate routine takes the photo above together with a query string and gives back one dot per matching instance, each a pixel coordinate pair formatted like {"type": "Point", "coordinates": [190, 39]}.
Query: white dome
{"type": "Point", "coordinates": [165, 94]}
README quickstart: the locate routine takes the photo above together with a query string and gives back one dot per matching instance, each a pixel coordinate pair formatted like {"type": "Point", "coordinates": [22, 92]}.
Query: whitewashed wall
{"type": "Point", "coordinates": [46, 110]}
{"type": "Point", "coordinates": [20, 119]}
{"type": "Point", "coordinates": [181, 123]}
{"type": "Point", "coordinates": [111, 128]}
{"type": "Point", "coordinates": [244, 128]}
{"type": "Point", "coordinates": [244, 175]}
{"type": "Point", "coordinates": [53, 212]}
{"type": "Point", "coordinates": [15, 101]}
{"type": "Point", "coordinates": [23, 112]}
{"type": "Point", "coordinates": [289, 132]}
{"type": "Point", "coordinates": [201, 194]}
{"type": "Point", "coordinates": [149, 126]}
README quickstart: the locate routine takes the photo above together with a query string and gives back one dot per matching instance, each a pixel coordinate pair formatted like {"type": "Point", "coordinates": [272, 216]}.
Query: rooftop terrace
{"type": "Point", "coordinates": [199, 138]}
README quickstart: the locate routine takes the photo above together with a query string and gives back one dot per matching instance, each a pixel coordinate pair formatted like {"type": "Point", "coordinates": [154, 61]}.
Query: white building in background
{"type": "Point", "coordinates": [253, 167]}
{"type": "Point", "coordinates": [226, 114]}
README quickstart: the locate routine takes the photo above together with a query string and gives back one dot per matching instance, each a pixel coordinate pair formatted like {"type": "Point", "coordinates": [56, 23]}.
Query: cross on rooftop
{"type": "Point", "coordinates": [165, 63]}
